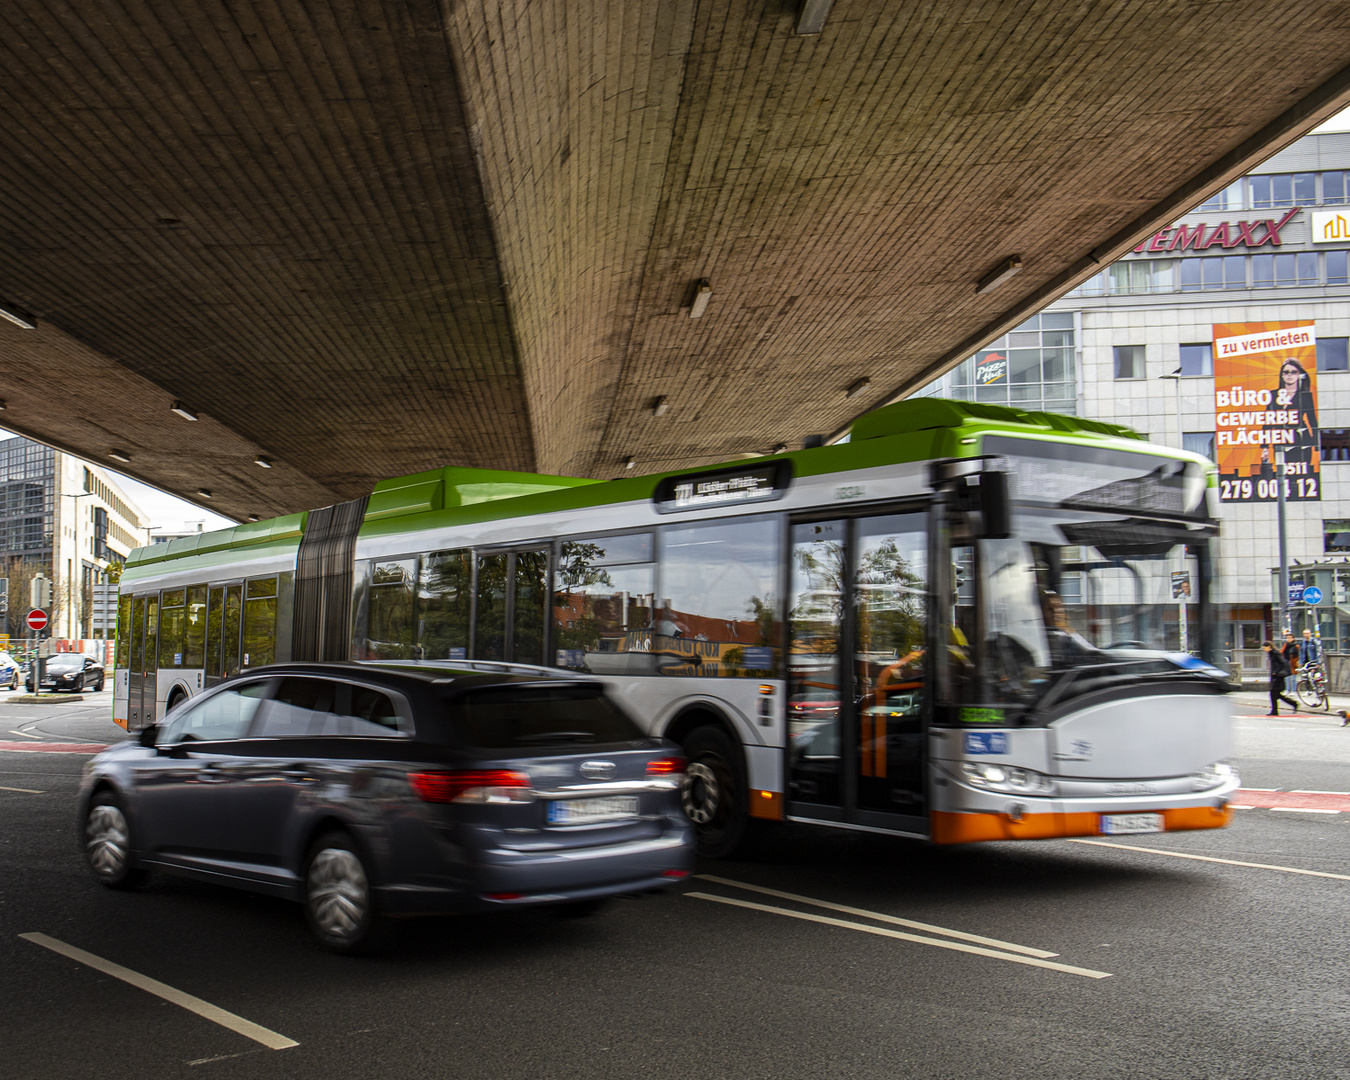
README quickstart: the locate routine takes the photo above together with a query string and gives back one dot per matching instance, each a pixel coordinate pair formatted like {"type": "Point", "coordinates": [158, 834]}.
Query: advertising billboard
{"type": "Point", "coordinates": [1265, 401]}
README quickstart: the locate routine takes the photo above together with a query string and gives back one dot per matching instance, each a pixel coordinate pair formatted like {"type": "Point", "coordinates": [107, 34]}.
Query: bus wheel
{"type": "Point", "coordinates": [713, 792]}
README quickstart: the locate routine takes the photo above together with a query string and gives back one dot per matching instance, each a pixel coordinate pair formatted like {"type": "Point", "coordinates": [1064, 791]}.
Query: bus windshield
{"type": "Point", "coordinates": [1082, 597]}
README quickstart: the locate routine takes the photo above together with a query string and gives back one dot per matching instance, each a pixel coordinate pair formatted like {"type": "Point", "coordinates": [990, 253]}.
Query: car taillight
{"type": "Point", "coordinates": [666, 766]}
{"type": "Point", "coordinates": [472, 786]}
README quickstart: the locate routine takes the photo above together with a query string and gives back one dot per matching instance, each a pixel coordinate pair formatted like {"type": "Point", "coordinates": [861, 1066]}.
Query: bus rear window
{"type": "Point", "coordinates": [540, 720]}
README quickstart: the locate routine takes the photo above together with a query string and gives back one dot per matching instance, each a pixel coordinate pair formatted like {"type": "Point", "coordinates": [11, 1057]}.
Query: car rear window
{"type": "Point", "coordinates": [535, 720]}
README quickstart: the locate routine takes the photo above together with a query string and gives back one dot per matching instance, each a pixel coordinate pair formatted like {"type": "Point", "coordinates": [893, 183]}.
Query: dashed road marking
{"type": "Point", "coordinates": [955, 946]}
{"type": "Point", "coordinates": [23, 733]}
{"type": "Point", "coordinates": [204, 1009]}
{"type": "Point", "coordinates": [26, 791]}
{"type": "Point", "coordinates": [1211, 858]}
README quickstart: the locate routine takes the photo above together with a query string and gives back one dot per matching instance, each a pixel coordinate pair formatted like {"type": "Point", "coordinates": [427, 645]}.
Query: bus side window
{"type": "Point", "coordinates": [260, 622]}
{"type": "Point", "coordinates": [194, 638]}
{"type": "Point", "coordinates": [717, 612]}
{"type": "Point", "coordinates": [390, 621]}
{"type": "Point", "coordinates": [602, 604]}
{"type": "Point", "coordinates": [123, 632]}
{"type": "Point", "coordinates": [446, 598]}
{"type": "Point", "coordinates": [171, 618]}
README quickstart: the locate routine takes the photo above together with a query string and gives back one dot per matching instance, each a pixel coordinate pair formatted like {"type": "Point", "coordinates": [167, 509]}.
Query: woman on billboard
{"type": "Point", "coordinates": [1293, 394]}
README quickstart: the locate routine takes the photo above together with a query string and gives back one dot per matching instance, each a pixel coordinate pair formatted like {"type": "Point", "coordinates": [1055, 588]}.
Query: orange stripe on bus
{"type": "Point", "coordinates": [954, 828]}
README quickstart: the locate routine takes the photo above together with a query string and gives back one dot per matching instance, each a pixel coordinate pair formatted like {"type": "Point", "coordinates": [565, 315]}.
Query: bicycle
{"type": "Point", "coordinates": [1311, 686]}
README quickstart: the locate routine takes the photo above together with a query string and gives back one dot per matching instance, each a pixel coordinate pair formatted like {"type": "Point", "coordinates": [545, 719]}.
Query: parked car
{"type": "Point", "coordinates": [366, 791]}
{"type": "Point", "coordinates": [10, 671]}
{"type": "Point", "coordinates": [71, 671]}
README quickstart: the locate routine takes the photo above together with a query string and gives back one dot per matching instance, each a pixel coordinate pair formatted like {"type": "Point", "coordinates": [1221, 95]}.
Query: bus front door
{"type": "Point", "coordinates": [858, 621]}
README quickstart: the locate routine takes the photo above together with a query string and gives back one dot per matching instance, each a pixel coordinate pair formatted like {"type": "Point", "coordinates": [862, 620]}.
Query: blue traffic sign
{"type": "Point", "coordinates": [1295, 591]}
{"type": "Point", "coordinates": [1312, 595]}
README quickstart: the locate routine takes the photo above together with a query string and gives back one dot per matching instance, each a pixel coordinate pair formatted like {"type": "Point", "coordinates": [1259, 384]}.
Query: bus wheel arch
{"type": "Point", "coordinates": [715, 788]}
{"type": "Point", "coordinates": [178, 694]}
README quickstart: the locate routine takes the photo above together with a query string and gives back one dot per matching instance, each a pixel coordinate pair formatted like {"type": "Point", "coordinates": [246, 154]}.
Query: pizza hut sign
{"type": "Point", "coordinates": [990, 368]}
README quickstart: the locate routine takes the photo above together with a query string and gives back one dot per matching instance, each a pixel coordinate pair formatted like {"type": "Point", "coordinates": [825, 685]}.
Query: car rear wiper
{"type": "Point", "coordinates": [556, 736]}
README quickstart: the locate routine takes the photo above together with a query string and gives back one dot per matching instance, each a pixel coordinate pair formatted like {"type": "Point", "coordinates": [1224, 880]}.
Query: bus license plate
{"type": "Point", "coordinates": [590, 811]}
{"type": "Point", "coordinates": [1123, 824]}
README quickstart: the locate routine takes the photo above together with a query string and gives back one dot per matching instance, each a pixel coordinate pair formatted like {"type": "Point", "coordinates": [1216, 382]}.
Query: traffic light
{"type": "Point", "coordinates": [40, 592]}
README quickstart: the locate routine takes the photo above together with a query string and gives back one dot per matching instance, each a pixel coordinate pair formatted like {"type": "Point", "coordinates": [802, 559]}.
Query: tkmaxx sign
{"type": "Point", "coordinates": [1197, 238]}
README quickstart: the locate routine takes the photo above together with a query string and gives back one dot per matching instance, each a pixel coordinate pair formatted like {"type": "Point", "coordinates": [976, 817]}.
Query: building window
{"type": "Point", "coordinates": [1143, 276]}
{"type": "Point", "coordinates": [1129, 361]}
{"type": "Point", "coordinates": [1332, 354]}
{"type": "Point", "coordinates": [1032, 367]}
{"type": "Point", "coordinates": [1284, 189]}
{"type": "Point", "coordinates": [1337, 268]}
{"type": "Point", "coordinates": [1230, 198]}
{"type": "Point", "coordinates": [1336, 536]}
{"type": "Point", "coordinates": [1197, 359]}
{"type": "Point", "coordinates": [1335, 444]}
{"type": "Point", "coordinates": [1199, 442]}
{"type": "Point", "coordinates": [1333, 188]}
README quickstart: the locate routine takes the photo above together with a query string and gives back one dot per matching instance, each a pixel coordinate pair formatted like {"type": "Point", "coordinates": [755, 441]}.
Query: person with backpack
{"type": "Point", "coordinates": [1279, 671]}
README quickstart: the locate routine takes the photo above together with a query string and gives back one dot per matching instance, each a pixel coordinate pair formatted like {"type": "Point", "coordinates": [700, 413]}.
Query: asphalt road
{"type": "Point", "coordinates": [1231, 966]}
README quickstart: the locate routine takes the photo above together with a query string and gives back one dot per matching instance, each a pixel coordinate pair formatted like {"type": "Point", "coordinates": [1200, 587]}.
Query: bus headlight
{"type": "Point", "coordinates": [993, 777]}
{"type": "Point", "coordinates": [1211, 776]}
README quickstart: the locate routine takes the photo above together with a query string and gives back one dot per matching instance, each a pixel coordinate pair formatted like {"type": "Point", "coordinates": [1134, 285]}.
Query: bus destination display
{"type": "Point", "coordinates": [723, 487]}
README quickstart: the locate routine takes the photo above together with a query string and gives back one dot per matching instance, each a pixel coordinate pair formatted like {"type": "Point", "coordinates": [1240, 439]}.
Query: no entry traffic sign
{"type": "Point", "coordinates": [37, 619]}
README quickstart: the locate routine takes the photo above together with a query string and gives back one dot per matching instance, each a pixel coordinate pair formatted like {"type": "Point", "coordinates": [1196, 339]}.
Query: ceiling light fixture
{"type": "Point", "coordinates": [18, 318]}
{"type": "Point", "coordinates": [660, 407]}
{"type": "Point", "coordinates": [183, 411]}
{"type": "Point", "coordinates": [858, 387]}
{"type": "Point", "coordinates": [253, 517]}
{"type": "Point", "coordinates": [702, 294]}
{"type": "Point", "coordinates": [203, 493]}
{"type": "Point", "coordinates": [119, 455]}
{"type": "Point", "coordinates": [629, 462]}
{"type": "Point", "coordinates": [811, 16]}
{"type": "Point", "coordinates": [1006, 269]}
{"type": "Point", "coordinates": [3, 405]}
{"type": "Point", "coordinates": [779, 448]}
{"type": "Point", "coordinates": [262, 462]}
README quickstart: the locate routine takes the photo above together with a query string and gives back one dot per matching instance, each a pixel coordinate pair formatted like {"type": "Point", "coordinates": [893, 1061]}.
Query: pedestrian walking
{"type": "Point", "coordinates": [1290, 651]}
{"type": "Point", "coordinates": [1279, 671]}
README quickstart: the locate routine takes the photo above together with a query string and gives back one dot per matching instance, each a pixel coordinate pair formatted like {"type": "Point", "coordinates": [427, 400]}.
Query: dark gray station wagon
{"type": "Point", "coordinates": [369, 791]}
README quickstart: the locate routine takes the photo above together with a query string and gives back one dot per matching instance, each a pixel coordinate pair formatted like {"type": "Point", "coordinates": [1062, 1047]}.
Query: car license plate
{"type": "Point", "coordinates": [590, 811]}
{"type": "Point", "coordinates": [1122, 824]}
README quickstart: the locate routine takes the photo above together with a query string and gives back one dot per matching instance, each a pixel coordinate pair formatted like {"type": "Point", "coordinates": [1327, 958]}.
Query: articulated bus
{"type": "Point", "coordinates": [966, 622]}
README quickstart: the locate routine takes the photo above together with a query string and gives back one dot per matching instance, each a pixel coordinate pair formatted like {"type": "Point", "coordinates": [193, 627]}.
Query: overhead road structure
{"type": "Point", "coordinates": [357, 241]}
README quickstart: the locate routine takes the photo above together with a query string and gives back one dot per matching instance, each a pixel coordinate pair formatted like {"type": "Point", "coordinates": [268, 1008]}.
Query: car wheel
{"type": "Point", "coordinates": [101, 680]}
{"type": "Point", "coordinates": [107, 843]}
{"type": "Point", "coordinates": [79, 686]}
{"type": "Point", "coordinates": [339, 899]}
{"type": "Point", "coordinates": [713, 792]}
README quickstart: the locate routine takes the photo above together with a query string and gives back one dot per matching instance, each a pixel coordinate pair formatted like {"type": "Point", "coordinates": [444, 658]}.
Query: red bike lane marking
{"type": "Point", "coordinates": [1295, 800]}
{"type": "Point", "coordinates": [53, 747]}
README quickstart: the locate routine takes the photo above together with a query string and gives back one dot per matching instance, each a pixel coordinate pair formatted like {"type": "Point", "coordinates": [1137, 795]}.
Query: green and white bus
{"type": "Point", "coordinates": [967, 622]}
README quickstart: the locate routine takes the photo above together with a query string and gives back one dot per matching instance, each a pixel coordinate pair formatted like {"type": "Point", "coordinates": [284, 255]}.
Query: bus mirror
{"type": "Point", "coordinates": [995, 506]}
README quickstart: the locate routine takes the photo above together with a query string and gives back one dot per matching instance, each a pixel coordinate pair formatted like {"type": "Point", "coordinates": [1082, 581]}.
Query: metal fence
{"type": "Point", "coordinates": [1250, 666]}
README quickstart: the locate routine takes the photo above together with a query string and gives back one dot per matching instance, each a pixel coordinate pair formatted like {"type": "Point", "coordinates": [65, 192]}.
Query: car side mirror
{"type": "Point", "coordinates": [147, 736]}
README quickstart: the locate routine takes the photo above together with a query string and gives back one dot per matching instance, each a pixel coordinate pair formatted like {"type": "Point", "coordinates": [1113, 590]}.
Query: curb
{"type": "Point", "coordinates": [40, 699]}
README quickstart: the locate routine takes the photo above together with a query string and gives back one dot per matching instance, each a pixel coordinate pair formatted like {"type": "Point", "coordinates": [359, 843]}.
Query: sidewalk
{"type": "Point", "coordinates": [1260, 701]}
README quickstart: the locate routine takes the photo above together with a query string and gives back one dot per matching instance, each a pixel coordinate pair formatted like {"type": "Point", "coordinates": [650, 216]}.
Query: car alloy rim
{"type": "Point", "coordinates": [338, 892]}
{"type": "Point", "coordinates": [107, 840]}
{"type": "Point", "coordinates": [699, 793]}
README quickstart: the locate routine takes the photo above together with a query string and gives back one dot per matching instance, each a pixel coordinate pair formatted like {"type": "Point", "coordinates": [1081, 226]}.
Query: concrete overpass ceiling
{"type": "Point", "coordinates": [362, 240]}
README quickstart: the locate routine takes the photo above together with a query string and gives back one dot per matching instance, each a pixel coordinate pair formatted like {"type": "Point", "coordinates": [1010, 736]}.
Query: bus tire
{"type": "Point", "coordinates": [713, 792]}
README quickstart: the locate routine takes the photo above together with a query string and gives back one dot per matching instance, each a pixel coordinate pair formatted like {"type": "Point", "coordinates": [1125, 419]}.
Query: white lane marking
{"type": "Point", "coordinates": [1302, 810]}
{"type": "Point", "coordinates": [204, 1009]}
{"type": "Point", "coordinates": [1006, 946]}
{"type": "Point", "coordinates": [25, 790]}
{"type": "Point", "coordinates": [24, 734]}
{"type": "Point", "coordinates": [956, 946]}
{"type": "Point", "coordinates": [1301, 792]}
{"type": "Point", "coordinates": [1210, 858]}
